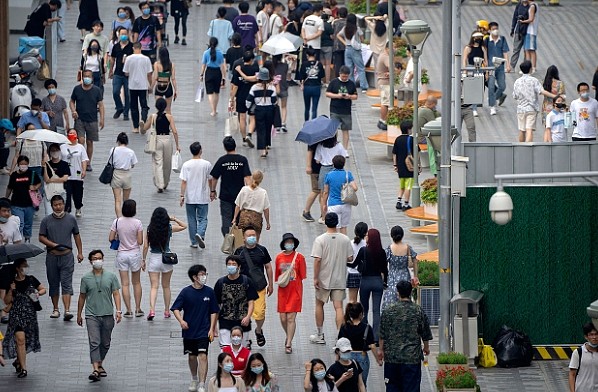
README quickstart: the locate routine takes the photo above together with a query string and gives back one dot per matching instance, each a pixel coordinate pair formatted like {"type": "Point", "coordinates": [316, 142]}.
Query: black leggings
{"type": "Point", "coordinates": [177, 19]}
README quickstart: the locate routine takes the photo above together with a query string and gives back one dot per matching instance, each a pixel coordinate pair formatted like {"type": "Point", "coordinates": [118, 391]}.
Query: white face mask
{"type": "Point", "coordinates": [97, 264]}
{"type": "Point", "coordinates": [202, 279]}
{"type": "Point", "coordinates": [494, 33]}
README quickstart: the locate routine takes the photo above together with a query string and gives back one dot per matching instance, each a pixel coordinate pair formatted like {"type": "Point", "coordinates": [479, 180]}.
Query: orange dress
{"type": "Point", "coordinates": [290, 298]}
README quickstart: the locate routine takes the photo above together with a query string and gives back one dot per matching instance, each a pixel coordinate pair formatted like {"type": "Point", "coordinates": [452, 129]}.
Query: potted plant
{"type": "Point", "coordinates": [451, 360]}
{"type": "Point", "coordinates": [428, 292]}
{"type": "Point", "coordinates": [458, 379]}
{"type": "Point", "coordinates": [429, 196]}
{"type": "Point", "coordinates": [395, 117]}
{"type": "Point", "coordinates": [425, 80]}
{"type": "Point", "coordinates": [400, 47]}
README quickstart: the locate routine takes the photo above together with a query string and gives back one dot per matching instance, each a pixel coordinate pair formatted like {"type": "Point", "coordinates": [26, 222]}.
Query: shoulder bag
{"type": "Point", "coordinates": [151, 139]}
{"type": "Point", "coordinates": [255, 273]}
{"type": "Point", "coordinates": [115, 243]}
{"type": "Point", "coordinates": [348, 194]}
{"type": "Point", "coordinates": [230, 240]}
{"type": "Point", "coordinates": [409, 159]}
{"type": "Point", "coordinates": [285, 277]}
{"type": "Point", "coordinates": [35, 195]}
{"type": "Point", "coordinates": [53, 188]}
{"type": "Point", "coordinates": [108, 172]}
{"type": "Point", "coordinates": [169, 258]}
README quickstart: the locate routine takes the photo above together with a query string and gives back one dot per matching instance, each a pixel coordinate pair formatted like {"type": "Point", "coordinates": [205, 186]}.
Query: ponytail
{"type": "Point", "coordinates": [212, 46]}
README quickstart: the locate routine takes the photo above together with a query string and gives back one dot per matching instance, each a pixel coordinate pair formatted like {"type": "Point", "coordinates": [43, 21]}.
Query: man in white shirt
{"type": "Point", "coordinates": [263, 22]}
{"type": "Point", "coordinates": [312, 29]}
{"type": "Point", "coordinates": [585, 115]}
{"type": "Point", "coordinates": [97, 28]}
{"type": "Point", "coordinates": [75, 155]}
{"type": "Point", "coordinates": [195, 194]}
{"type": "Point", "coordinates": [138, 68]}
{"type": "Point", "coordinates": [276, 19]}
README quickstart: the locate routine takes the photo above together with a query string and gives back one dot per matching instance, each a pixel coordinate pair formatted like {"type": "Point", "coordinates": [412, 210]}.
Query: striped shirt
{"type": "Point", "coordinates": [261, 97]}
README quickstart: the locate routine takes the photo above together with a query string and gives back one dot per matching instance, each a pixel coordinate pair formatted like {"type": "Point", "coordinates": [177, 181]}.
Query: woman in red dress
{"type": "Point", "coordinates": [290, 298]}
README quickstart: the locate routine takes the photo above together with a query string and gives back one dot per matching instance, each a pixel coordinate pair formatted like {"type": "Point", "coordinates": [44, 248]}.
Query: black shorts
{"type": "Point", "coordinates": [169, 92]}
{"type": "Point", "coordinates": [240, 105]}
{"type": "Point", "coordinates": [213, 80]}
{"type": "Point", "coordinates": [196, 346]}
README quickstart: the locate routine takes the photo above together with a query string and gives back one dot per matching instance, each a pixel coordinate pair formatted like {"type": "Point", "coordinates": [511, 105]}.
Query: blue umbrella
{"type": "Point", "coordinates": [317, 130]}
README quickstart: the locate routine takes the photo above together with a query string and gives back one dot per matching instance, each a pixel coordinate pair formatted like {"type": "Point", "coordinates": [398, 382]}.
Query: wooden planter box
{"type": "Point", "coordinates": [445, 389]}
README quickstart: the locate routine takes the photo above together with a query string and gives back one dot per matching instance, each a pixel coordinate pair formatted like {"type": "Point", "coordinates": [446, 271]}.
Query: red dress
{"type": "Point", "coordinates": [240, 360]}
{"type": "Point", "coordinates": [290, 298]}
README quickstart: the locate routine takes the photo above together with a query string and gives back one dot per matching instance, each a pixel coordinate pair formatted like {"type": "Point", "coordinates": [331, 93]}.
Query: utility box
{"type": "Point", "coordinates": [459, 175]}
{"type": "Point", "coordinates": [472, 87]}
{"type": "Point", "coordinates": [593, 312]}
{"type": "Point", "coordinates": [466, 309]}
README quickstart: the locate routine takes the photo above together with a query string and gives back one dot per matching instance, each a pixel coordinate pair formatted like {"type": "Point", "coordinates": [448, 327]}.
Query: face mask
{"type": "Point", "coordinates": [97, 264]}
{"type": "Point", "coordinates": [72, 138]}
{"type": "Point", "coordinates": [236, 340]}
{"type": "Point", "coordinates": [289, 247]}
{"type": "Point", "coordinates": [345, 356]}
{"type": "Point", "coordinates": [124, 38]}
{"type": "Point", "coordinates": [559, 105]}
{"type": "Point", "coordinates": [320, 374]}
{"type": "Point", "coordinates": [591, 345]}
{"type": "Point", "coordinates": [228, 367]}
{"type": "Point", "coordinates": [25, 271]}
{"type": "Point", "coordinates": [52, 91]}
{"type": "Point", "coordinates": [202, 279]}
{"type": "Point", "coordinates": [477, 41]}
{"type": "Point", "coordinates": [23, 168]}
{"type": "Point", "coordinates": [231, 269]}
{"type": "Point", "coordinates": [94, 48]}
{"type": "Point", "coordinates": [87, 81]}
{"type": "Point", "coordinates": [59, 214]}
{"type": "Point", "coordinates": [257, 369]}
{"type": "Point", "coordinates": [146, 11]}
{"type": "Point", "coordinates": [585, 95]}
{"type": "Point", "coordinates": [34, 113]}
{"type": "Point", "coordinates": [252, 240]}
{"type": "Point", "coordinates": [55, 154]}
{"type": "Point", "coordinates": [3, 219]}
{"type": "Point", "coordinates": [122, 15]}
{"type": "Point", "coordinates": [494, 32]}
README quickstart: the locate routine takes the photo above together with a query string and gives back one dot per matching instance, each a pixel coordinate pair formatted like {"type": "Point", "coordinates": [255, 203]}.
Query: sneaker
{"type": "Point", "coordinates": [89, 169]}
{"type": "Point", "coordinates": [194, 246]}
{"type": "Point", "coordinates": [55, 314]}
{"type": "Point", "coordinates": [139, 313]}
{"type": "Point", "coordinates": [117, 114]}
{"type": "Point", "coordinates": [321, 220]}
{"type": "Point", "coordinates": [128, 315]}
{"type": "Point", "coordinates": [501, 100]}
{"type": "Point", "coordinates": [317, 338]}
{"type": "Point", "coordinates": [249, 141]}
{"type": "Point", "coordinates": [278, 130]}
{"type": "Point", "coordinates": [126, 117]}
{"type": "Point", "coordinates": [284, 128]}
{"type": "Point", "coordinates": [184, 42]}
{"type": "Point", "coordinates": [68, 316]}
{"type": "Point", "coordinates": [193, 385]}
{"type": "Point", "coordinates": [382, 125]}
{"type": "Point", "coordinates": [493, 111]}
{"type": "Point", "coordinates": [399, 205]}
{"type": "Point", "coordinates": [78, 213]}
{"type": "Point", "coordinates": [307, 217]}
{"type": "Point", "coordinates": [364, 91]}
{"type": "Point", "coordinates": [176, 40]}
{"type": "Point", "coordinates": [475, 113]}
{"type": "Point", "coordinates": [200, 241]}
{"type": "Point", "coordinates": [201, 389]}
{"type": "Point", "coordinates": [406, 207]}
{"type": "Point", "coordinates": [4, 320]}
{"type": "Point", "coordinates": [520, 72]}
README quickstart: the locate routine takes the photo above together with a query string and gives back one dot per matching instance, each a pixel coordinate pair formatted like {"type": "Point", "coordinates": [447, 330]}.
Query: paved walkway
{"type": "Point", "coordinates": [148, 356]}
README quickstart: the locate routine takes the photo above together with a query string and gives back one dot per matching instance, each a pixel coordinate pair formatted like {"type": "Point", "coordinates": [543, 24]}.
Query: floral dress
{"type": "Point", "coordinates": [398, 269]}
{"type": "Point", "coordinates": [23, 317]}
{"type": "Point", "coordinates": [272, 386]}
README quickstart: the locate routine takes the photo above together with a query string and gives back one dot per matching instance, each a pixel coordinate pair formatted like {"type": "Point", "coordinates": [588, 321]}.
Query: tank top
{"type": "Point", "coordinates": [163, 81]}
{"type": "Point", "coordinates": [162, 125]}
{"type": "Point", "coordinates": [476, 51]}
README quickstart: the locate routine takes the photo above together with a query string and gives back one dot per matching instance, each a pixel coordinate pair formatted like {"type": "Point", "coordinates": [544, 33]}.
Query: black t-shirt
{"type": "Point", "coordinates": [146, 28]}
{"type": "Point", "coordinates": [243, 86]}
{"type": "Point", "coordinates": [315, 166]}
{"type": "Point", "coordinates": [231, 14]}
{"type": "Point", "coordinates": [311, 73]}
{"type": "Point", "coordinates": [368, 265]}
{"type": "Point", "coordinates": [259, 258]}
{"type": "Point", "coordinates": [35, 25]}
{"type": "Point", "coordinates": [233, 54]}
{"type": "Point", "coordinates": [337, 369]}
{"type": "Point", "coordinates": [327, 37]}
{"type": "Point", "coordinates": [19, 183]}
{"type": "Point", "coordinates": [233, 168]}
{"type": "Point", "coordinates": [61, 168]}
{"type": "Point", "coordinates": [22, 286]}
{"type": "Point", "coordinates": [86, 102]}
{"type": "Point", "coordinates": [355, 334]}
{"type": "Point", "coordinates": [233, 296]}
{"type": "Point", "coordinates": [119, 55]}
{"type": "Point", "coordinates": [400, 149]}
{"type": "Point", "coordinates": [338, 105]}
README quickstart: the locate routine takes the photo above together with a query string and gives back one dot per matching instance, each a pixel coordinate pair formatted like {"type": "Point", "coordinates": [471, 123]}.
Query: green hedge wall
{"type": "Point", "coordinates": [539, 272]}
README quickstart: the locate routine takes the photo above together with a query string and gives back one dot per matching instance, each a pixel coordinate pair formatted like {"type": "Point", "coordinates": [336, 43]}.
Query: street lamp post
{"type": "Point", "coordinates": [416, 32]}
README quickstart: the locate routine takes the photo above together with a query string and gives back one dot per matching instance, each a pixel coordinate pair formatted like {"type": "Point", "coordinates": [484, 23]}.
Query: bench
{"type": "Point", "coordinates": [429, 256]}
{"type": "Point", "coordinates": [429, 231]}
{"type": "Point", "coordinates": [389, 141]}
{"type": "Point", "coordinates": [417, 213]}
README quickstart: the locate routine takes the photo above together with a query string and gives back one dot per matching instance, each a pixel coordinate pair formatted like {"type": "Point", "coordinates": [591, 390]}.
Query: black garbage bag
{"type": "Point", "coordinates": [512, 348]}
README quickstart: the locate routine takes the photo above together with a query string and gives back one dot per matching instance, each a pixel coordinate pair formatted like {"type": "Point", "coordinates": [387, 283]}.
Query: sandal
{"type": "Point", "coordinates": [17, 366]}
{"type": "Point", "coordinates": [288, 349]}
{"type": "Point", "coordinates": [260, 339]}
{"type": "Point", "coordinates": [102, 372]}
{"type": "Point", "coordinates": [55, 314]}
{"type": "Point", "coordinates": [151, 315]}
{"type": "Point", "coordinates": [22, 374]}
{"type": "Point", "coordinates": [166, 314]}
{"type": "Point", "coordinates": [94, 376]}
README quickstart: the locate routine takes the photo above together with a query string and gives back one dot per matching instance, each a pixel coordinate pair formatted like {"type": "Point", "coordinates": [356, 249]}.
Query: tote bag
{"type": "Point", "coordinates": [151, 139]}
{"type": "Point", "coordinates": [348, 194]}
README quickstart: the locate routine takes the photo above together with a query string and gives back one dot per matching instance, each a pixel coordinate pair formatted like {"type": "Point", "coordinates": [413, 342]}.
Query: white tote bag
{"type": "Point", "coordinates": [231, 126]}
{"type": "Point", "coordinates": [177, 162]}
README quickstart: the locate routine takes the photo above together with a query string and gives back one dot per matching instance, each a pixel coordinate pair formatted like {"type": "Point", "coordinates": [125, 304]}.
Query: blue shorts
{"type": "Point", "coordinates": [529, 43]}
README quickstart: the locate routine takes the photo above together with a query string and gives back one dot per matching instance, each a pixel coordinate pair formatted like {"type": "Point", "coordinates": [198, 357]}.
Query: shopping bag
{"type": "Point", "coordinates": [177, 162]}
{"type": "Point", "coordinates": [231, 126]}
{"type": "Point", "coordinates": [486, 355]}
{"type": "Point", "coordinates": [151, 139]}
{"type": "Point", "coordinates": [200, 93]}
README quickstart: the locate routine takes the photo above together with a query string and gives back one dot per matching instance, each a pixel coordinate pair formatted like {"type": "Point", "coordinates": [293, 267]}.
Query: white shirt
{"type": "Point", "coordinates": [137, 66]}
{"type": "Point", "coordinates": [92, 63]}
{"type": "Point", "coordinates": [124, 157]}
{"type": "Point", "coordinates": [9, 231]}
{"type": "Point", "coordinates": [275, 25]}
{"type": "Point", "coordinates": [555, 120]}
{"type": "Point", "coordinates": [587, 378]}
{"type": "Point", "coordinates": [311, 25]}
{"type": "Point", "coordinates": [196, 172]}
{"type": "Point", "coordinates": [532, 28]}
{"type": "Point", "coordinates": [585, 113]}
{"type": "Point", "coordinates": [526, 91]}
{"type": "Point", "coordinates": [253, 199]}
{"type": "Point", "coordinates": [74, 155]}
{"type": "Point", "coordinates": [263, 22]}
{"type": "Point", "coordinates": [324, 155]}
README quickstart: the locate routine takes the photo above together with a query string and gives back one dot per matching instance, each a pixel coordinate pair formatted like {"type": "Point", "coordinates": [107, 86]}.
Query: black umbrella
{"type": "Point", "coordinates": [11, 252]}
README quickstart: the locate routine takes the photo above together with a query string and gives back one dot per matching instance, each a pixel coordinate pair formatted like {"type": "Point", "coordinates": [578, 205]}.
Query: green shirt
{"type": "Point", "coordinates": [403, 326]}
{"type": "Point", "coordinates": [98, 293]}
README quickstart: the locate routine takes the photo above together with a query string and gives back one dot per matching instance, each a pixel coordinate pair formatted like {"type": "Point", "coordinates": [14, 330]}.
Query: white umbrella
{"type": "Point", "coordinates": [282, 43]}
{"type": "Point", "coordinates": [44, 135]}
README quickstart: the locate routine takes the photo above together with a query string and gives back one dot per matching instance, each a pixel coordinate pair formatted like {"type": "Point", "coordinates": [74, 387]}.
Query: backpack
{"type": "Point", "coordinates": [579, 353]}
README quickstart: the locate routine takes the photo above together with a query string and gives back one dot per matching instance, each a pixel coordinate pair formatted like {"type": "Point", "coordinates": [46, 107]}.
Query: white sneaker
{"type": "Point", "coordinates": [317, 338]}
{"type": "Point", "coordinates": [475, 113]}
{"type": "Point", "coordinates": [78, 213]}
{"type": "Point", "coordinates": [200, 241]}
{"type": "Point", "coordinates": [321, 221]}
{"type": "Point", "coordinates": [201, 389]}
{"type": "Point", "coordinates": [493, 111]}
{"type": "Point", "coordinates": [193, 386]}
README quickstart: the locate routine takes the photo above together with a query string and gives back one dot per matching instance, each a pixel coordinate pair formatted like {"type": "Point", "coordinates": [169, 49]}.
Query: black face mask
{"type": "Point", "coordinates": [477, 41]}
{"type": "Point", "coordinates": [559, 105]}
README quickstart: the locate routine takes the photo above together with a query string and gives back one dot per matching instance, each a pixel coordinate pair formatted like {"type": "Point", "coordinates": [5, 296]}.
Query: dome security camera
{"type": "Point", "coordinates": [501, 208]}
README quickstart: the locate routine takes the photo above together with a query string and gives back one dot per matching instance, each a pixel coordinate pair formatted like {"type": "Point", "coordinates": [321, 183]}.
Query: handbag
{"type": "Point", "coordinates": [151, 139]}
{"type": "Point", "coordinates": [177, 162]}
{"type": "Point", "coordinates": [44, 72]}
{"type": "Point", "coordinates": [409, 162]}
{"type": "Point", "coordinates": [108, 172]}
{"type": "Point", "coordinates": [169, 258]}
{"type": "Point", "coordinates": [35, 195]}
{"type": "Point", "coordinates": [487, 356]}
{"type": "Point", "coordinates": [231, 125]}
{"type": "Point", "coordinates": [53, 188]}
{"type": "Point", "coordinates": [348, 194]}
{"type": "Point", "coordinates": [285, 277]}
{"type": "Point", "coordinates": [200, 93]}
{"type": "Point", "coordinates": [231, 240]}
{"type": "Point", "coordinates": [115, 243]}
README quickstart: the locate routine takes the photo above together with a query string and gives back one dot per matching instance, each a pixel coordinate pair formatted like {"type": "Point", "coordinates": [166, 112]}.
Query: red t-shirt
{"type": "Point", "coordinates": [239, 360]}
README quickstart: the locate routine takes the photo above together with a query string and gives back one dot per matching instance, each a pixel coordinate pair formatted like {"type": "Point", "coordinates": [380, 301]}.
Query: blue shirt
{"type": "Point", "coordinates": [197, 306]}
{"type": "Point", "coordinates": [222, 29]}
{"type": "Point", "coordinates": [335, 180]}
{"type": "Point", "coordinates": [208, 61]}
{"type": "Point", "coordinates": [27, 118]}
{"type": "Point", "coordinates": [497, 49]}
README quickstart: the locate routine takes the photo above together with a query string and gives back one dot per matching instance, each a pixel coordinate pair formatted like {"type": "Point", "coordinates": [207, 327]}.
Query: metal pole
{"type": "Point", "coordinates": [367, 8]}
{"type": "Point", "coordinates": [457, 145]}
{"type": "Point", "coordinates": [445, 183]}
{"type": "Point", "coordinates": [391, 55]}
{"type": "Point", "coordinates": [415, 53]}
{"type": "Point", "coordinates": [4, 80]}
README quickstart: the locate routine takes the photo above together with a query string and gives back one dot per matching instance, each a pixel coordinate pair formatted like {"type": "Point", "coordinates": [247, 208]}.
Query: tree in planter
{"type": "Point", "coordinates": [397, 115]}
{"type": "Point", "coordinates": [428, 273]}
{"type": "Point", "coordinates": [429, 193]}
